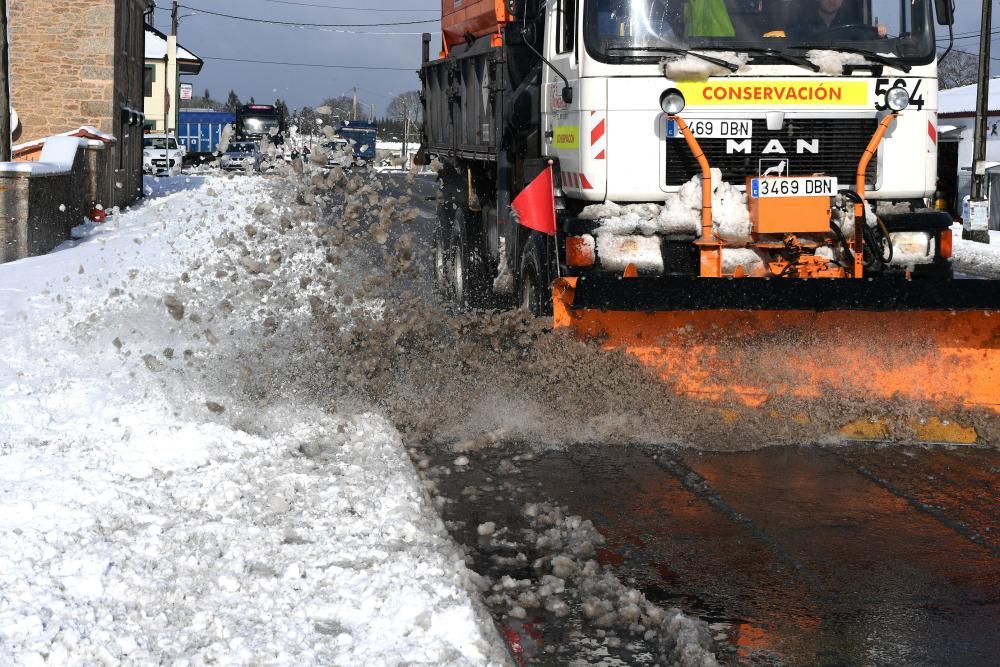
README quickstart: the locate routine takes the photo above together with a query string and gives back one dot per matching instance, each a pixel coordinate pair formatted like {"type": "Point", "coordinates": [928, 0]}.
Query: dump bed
{"type": "Point", "coordinates": [476, 17]}
{"type": "Point", "coordinates": [201, 130]}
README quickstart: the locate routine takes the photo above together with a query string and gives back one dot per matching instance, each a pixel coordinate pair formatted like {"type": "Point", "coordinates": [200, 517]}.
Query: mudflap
{"type": "Point", "coordinates": [893, 361]}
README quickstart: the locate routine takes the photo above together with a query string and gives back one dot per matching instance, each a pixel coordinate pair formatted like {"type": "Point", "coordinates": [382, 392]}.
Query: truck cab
{"type": "Point", "coordinates": [797, 116]}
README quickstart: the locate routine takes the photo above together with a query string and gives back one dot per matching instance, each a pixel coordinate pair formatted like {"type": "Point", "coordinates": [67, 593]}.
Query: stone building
{"type": "Point", "coordinates": [80, 63]}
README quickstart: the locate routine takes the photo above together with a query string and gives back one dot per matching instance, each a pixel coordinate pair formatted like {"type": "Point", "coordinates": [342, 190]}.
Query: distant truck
{"type": "Point", "coordinates": [255, 121]}
{"type": "Point", "coordinates": [200, 131]}
{"type": "Point", "coordinates": [364, 135]}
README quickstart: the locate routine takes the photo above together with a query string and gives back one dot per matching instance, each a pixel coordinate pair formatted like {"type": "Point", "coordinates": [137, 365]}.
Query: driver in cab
{"type": "Point", "coordinates": [820, 16]}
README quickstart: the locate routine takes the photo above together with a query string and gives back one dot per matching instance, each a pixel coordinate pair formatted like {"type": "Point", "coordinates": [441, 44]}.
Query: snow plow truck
{"type": "Point", "coordinates": [734, 191]}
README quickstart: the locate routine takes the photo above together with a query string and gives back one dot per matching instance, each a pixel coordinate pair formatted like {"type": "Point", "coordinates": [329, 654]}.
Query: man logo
{"type": "Point", "coordinates": [773, 168]}
{"type": "Point", "coordinates": [773, 147]}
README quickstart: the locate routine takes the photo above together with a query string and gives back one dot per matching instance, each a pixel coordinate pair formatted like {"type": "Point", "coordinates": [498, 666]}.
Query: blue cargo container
{"type": "Point", "coordinates": [200, 130]}
{"type": "Point", "coordinates": [364, 135]}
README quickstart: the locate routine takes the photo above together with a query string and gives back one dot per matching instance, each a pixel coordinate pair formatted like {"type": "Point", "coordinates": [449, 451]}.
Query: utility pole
{"type": "Point", "coordinates": [354, 111]}
{"type": "Point", "coordinates": [5, 120]}
{"type": "Point", "coordinates": [977, 224]}
{"type": "Point", "coordinates": [170, 90]}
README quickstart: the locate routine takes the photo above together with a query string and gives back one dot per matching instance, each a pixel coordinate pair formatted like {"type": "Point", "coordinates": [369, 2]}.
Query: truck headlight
{"type": "Point", "coordinates": [672, 102]}
{"type": "Point", "coordinates": [897, 98]}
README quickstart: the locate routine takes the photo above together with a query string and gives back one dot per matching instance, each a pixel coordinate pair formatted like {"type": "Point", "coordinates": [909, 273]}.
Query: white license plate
{"type": "Point", "coordinates": [801, 186]}
{"type": "Point", "coordinates": [712, 128]}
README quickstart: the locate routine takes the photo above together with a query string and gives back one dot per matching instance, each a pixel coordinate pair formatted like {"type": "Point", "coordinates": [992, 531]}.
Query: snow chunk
{"type": "Point", "coordinates": [833, 62]}
{"type": "Point", "coordinates": [692, 68]}
{"type": "Point", "coordinates": [616, 252]}
{"type": "Point", "coordinates": [745, 258]}
{"type": "Point", "coordinates": [680, 214]}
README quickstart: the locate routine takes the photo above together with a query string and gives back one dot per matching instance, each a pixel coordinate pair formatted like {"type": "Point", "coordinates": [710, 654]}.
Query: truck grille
{"type": "Point", "coordinates": [841, 145]}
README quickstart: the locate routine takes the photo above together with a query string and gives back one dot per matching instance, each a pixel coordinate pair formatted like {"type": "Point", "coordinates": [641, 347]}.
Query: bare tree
{"type": "Point", "coordinates": [406, 107]}
{"type": "Point", "coordinates": [341, 107]}
{"type": "Point", "coordinates": [958, 69]}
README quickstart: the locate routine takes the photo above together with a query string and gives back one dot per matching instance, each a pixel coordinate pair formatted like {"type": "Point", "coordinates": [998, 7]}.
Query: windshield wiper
{"type": "Point", "coordinates": [898, 63]}
{"type": "Point", "coordinates": [781, 55]}
{"type": "Point", "coordinates": [667, 49]}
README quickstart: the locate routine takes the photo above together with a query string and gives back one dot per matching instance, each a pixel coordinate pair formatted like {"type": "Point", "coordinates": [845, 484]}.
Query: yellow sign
{"type": "Point", "coordinates": [567, 136]}
{"type": "Point", "coordinates": [772, 93]}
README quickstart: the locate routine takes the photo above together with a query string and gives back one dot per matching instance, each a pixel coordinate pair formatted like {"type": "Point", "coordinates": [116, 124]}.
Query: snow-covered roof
{"type": "Point", "coordinates": [156, 49]}
{"type": "Point", "coordinates": [962, 100]}
{"type": "Point", "coordinates": [57, 157]}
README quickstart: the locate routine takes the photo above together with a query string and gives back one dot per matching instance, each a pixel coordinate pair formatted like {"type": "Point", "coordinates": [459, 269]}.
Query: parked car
{"type": "Point", "coordinates": [241, 155]}
{"type": "Point", "coordinates": [161, 152]}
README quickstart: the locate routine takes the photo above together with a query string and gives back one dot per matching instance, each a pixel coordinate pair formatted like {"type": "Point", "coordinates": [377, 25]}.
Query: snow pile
{"type": "Point", "coordinates": [693, 68]}
{"type": "Point", "coordinates": [912, 248]}
{"type": "Point", "coordinates": [747, 259]}
{"type": "Point", "coordinates": [680, 214]}
{"type": "Point", "coordinates": [842, 214]}
{"type": "Point", "coordinates": [981, 260]}
{"type": "Point", "coordinates": [617, 252]}
{"type": "Point", "coordinates": [833, 62]}
{"type": "Point", "coordinates": [173, 485]}
{"type": "Point", "coordinates": [567, 575]}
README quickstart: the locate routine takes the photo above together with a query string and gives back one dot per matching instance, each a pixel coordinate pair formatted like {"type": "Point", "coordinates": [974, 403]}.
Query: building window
{"type": "Point", "coordinates": [149, 76]}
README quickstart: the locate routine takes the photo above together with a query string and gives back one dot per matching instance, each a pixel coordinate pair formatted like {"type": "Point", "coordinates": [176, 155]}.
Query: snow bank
{"type": "Point", "coordinates": [164, 500]}
{"type": "Point", "coordinates": [567, 573]}
{"type": "Point", "coordinates": [980, 260]}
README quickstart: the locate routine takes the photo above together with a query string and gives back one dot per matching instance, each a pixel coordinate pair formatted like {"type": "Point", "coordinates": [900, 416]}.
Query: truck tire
{"type": "Point", "coordinates": [469, 281]}
{"type": "Point", "coordinates": [534, 290]}
{"type": "Point", "coordinates": [442, 261]}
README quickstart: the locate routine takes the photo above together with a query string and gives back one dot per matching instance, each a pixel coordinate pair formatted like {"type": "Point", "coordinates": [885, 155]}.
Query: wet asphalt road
{"type": "Point", "coordinates": [850, 555]}
{"type": "Point", "coordinates": [857, 555]}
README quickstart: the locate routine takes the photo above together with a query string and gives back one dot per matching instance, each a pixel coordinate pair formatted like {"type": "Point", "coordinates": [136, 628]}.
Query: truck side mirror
{"type": "Point", "coordinates": [567, 95]}
{"type": "Point", "coordinates": [945, 11]}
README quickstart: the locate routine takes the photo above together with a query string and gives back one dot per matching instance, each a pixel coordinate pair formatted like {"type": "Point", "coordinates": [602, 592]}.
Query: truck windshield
{"type": "Point", "coordinates": [645, 30]}
{"type": "Point", "coordinates": [159, 143]}
{"type": "Point", "coordinates": [260, 124]}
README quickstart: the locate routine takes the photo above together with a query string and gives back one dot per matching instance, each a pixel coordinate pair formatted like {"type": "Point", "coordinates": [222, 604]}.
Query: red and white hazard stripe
{"type": "Point", "coordinates": [598, 136]}
{"type": "Point", "coordinates": [575, 180]}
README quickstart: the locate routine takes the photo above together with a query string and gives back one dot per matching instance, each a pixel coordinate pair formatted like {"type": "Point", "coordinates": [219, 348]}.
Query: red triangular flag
{"type": "Point", "coordinates": [536, 204]}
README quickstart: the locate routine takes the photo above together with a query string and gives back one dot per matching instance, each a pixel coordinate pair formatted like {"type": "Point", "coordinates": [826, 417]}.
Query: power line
{"type": "Point", "coordinates": [351, 9]}
{"type": "Point", "coordinates": [320, 65]}
{"type": "Point", "coordinates": [307, 25]}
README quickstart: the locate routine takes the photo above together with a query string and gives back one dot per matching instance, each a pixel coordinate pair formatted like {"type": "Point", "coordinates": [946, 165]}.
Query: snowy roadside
{"type": "Point", "coordinates": [979, 260]}
{"type": "Point", "coordinates": [155, 508]}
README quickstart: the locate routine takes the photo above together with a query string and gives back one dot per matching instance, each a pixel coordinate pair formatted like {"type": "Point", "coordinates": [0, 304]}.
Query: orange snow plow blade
{"type": "Point", "coordinates": [914, 374]}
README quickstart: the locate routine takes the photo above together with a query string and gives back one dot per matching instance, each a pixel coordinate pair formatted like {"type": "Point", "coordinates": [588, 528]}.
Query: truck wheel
{"type": "Point", "coordinates": [442, 262]}
{"type": "Point", "coordinates": [471, 282]}
{"type": "Point", "coordinates": [535, 293]}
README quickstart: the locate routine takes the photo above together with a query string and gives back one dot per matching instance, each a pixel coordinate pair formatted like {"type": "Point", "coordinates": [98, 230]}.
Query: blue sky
{"type": "Point", "coordinates": [217, 37]}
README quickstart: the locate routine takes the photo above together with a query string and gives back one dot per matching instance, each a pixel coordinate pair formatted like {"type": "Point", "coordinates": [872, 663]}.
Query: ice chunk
{"type": "Point", "coordinates": [833, 62]}
{"type": "Point", "coordinates": [692, 68]}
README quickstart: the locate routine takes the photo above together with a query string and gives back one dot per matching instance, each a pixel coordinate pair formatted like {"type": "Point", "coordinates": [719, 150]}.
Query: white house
{"type": "Point", "coordinates": [160, 94]}
{"type": "Point", "coordinates": [957, 123]}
